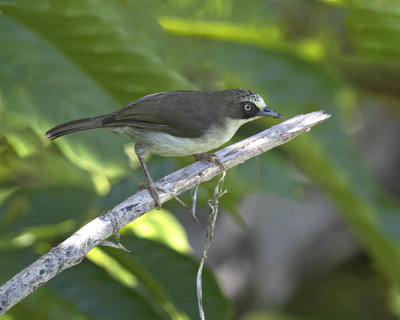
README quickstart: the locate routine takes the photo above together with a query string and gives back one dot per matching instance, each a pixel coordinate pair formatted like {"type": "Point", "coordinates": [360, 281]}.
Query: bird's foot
{"type": "Point", "coordinates": [116, 229]}
{"type": "Point", "coordinates": [212, 157]}
{"type": "Point", "coordinates": [152, 189]}
{"type": "Point", "coordinates": [146, 186]}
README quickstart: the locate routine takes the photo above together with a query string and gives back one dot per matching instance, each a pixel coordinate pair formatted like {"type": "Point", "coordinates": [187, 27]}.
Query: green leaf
{"type": "Point", "coordinates": [44, 206]}
{"type": "Point", "coordinates": [45, 305]}
{"type": "Point", "coordinates": [27, 102]}
{"type": "Point", "coordinates": [293, 85]}
{"type": "Point", "coordinates": [93, 35]}
{"type": "Point", "coordinates": [171, 276]}
{"type": "Point", "coordinates": [99, 296]}
{"type": "Point", "coordinates": [100, 69]}
{"type": "Point", "coordinates": [82, 292]}
{"type": "Point", "coordinates": [378, 39]}
{"type": "Point", "coordinates": [162, 226]}
{"type": "Point", "coordinates": [43, 196]}
{"type": "Point", "coordinates": [267, 315]}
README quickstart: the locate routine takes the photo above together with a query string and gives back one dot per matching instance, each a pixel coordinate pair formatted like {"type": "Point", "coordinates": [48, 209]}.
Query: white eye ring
{"type": "Point", "coordinates": [247, 107]}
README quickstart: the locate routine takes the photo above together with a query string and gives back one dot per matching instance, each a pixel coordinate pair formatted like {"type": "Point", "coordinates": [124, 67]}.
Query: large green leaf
{"type": "Point", "coordinates": [171, 276]}
{"type": "Point", "coordinates": [62, 60]}
{"type": "Point", "coordinates": [327, 155]}
{"type": "Point", "coordinates": [42, 206]}
{"type": "Point", "coordinates": [101, 297]}
{"type": "Point", "coordinates": [43, 200]}
{"type": "Point", "coordinates": [373, 34]}
{"type": "Point", "coordinates": [99, 38]}
{"type": "Point", "coordinates": [86, 292]}
{"type": "Point", "coordinates": [44, 304]}
{"type": "Point", "coordinates": [103, 66]}
{"type": "Point", "coordinates": [379, 39]}
{"type": "Point", "coordinates": [35, 99]}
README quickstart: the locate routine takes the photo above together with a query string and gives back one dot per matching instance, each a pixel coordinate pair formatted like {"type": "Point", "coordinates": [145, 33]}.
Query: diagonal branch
{"type": "Point", "coordinates": [73, 250]}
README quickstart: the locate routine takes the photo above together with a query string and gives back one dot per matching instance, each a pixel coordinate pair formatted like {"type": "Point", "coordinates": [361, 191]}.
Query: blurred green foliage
{"type": "Point", "coordinates": [62, 60]}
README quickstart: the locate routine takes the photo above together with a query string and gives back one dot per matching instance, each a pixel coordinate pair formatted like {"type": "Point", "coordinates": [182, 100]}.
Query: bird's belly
{"type": "Point", "coordinates": [167, 145]}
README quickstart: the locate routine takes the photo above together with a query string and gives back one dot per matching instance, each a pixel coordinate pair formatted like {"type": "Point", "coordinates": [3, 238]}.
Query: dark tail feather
{"type": "Point", "coordinates": [77, 125]}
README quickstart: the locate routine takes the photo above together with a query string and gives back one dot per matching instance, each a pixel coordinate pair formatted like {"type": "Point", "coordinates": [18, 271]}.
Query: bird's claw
{"type": "Point", "coordinates": [212, 157]}
{"type": "Point", "coordinates": [152, 189]}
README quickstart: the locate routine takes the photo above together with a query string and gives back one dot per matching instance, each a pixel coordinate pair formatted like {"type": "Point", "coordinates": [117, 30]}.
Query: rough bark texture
{"type": "Point", "coordinates": [73, 250]}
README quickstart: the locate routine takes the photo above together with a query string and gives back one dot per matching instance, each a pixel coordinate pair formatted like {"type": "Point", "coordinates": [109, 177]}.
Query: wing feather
{"type": "Point", "coordinates": [159, 112]}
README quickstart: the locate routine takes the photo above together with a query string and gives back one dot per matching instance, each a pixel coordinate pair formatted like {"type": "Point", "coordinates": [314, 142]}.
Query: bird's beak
{"type": "Point", "coordinates": [266, 112]}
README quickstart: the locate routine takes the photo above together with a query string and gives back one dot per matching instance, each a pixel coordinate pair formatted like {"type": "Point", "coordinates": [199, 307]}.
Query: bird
{"type": "Point", "coordinates": [177, 123]}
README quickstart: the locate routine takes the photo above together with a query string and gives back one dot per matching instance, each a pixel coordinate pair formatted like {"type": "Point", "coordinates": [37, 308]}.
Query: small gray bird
{"type": "Point", "coordinates": [179, 123]}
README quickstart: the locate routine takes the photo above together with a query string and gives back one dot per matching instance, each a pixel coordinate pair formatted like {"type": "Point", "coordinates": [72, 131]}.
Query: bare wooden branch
{"type": "Point", "coordinates": [73, 250]}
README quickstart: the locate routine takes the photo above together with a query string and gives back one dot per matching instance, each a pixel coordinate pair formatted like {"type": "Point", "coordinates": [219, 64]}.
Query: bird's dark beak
{"type": "Point", "coordinates": [266, 112]}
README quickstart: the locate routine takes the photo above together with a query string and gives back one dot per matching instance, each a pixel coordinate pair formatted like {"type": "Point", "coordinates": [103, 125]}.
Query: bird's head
{"type": "Point", "coordinates": [247, 105]}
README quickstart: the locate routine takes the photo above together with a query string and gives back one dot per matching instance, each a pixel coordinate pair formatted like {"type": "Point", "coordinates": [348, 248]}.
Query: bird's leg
{"type": "Point", "coordinates": [212, 157]}
{"type": "Point", "coordinates": [150, 183]}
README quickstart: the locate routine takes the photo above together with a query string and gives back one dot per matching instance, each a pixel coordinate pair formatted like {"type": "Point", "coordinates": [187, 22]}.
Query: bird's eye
{"type": "Point", "coordinates": [247, 107]}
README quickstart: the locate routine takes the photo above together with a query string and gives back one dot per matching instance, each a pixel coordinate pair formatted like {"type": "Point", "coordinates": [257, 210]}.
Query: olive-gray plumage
{"type": "Point", "coordinates": [177, 123]}
{"type": "Point", "coordinates": [180, 114]}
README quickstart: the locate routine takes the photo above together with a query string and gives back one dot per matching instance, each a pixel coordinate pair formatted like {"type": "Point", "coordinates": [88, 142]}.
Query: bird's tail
{"type": "Point", "coordinates": [77, 125]}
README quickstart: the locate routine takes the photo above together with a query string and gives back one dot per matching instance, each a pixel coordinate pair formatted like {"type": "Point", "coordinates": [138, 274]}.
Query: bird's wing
{"type": "Point", "coordinates": [155, 96]}
{"type": "Point", "coordinates": [158, 112]}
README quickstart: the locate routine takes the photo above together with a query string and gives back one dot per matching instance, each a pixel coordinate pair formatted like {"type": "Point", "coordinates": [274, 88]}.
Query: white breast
{"type": "Point", "coordinates": [168, 145]}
